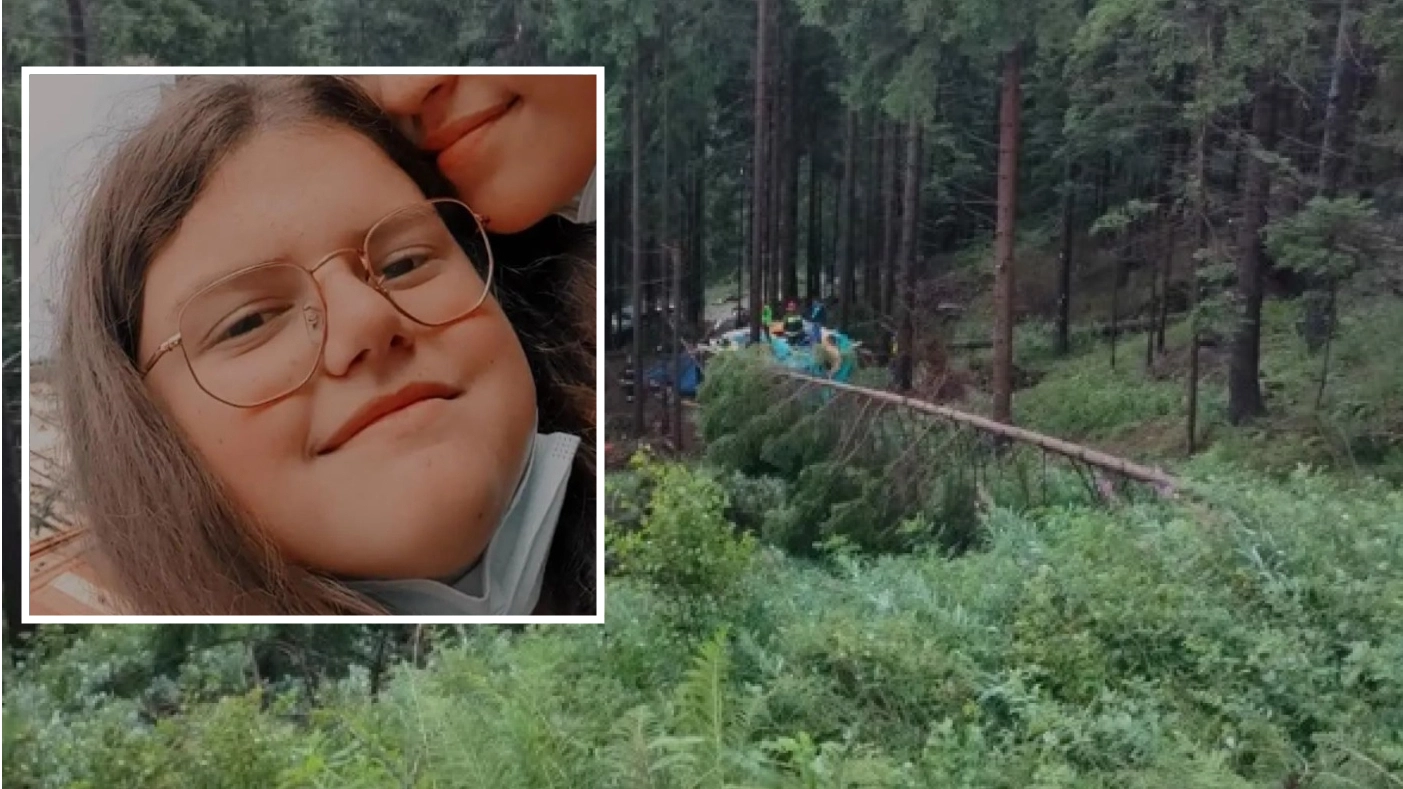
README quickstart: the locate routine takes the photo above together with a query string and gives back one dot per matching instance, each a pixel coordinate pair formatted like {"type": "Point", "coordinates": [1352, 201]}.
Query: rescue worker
{"type": "Point", "coordinates": [794, 324]}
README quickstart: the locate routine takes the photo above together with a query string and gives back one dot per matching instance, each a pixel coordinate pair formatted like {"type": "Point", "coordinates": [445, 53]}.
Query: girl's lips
{"type": "Point", "coordinates": [457, 142]}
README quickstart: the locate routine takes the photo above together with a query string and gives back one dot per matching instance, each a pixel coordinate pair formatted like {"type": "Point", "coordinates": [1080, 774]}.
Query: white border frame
{"type": "Point", "coordinates": [596, 71]}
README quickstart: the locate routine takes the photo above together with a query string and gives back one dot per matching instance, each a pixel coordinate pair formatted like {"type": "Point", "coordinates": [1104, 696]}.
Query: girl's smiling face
{"type": "Point", "coordinates": [517, 147]}
{"type": "Point", "coordinates": [415, 494]}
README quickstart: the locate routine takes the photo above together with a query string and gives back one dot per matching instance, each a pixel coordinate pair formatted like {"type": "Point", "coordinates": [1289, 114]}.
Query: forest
{"type": "Point", "coordinates": [1113, 499]}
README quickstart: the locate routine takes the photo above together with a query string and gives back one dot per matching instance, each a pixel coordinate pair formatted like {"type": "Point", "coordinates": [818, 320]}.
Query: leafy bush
{"type": "Point", "coordinates": [1086, 399]}
{"type": "Point", "coordinates": [685, 546]}
{"type": "Point", "coordinates": [1252, 638]}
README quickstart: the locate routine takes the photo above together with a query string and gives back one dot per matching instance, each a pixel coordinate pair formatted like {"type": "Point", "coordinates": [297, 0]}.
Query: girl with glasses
{"type": "Point", "coordinates": [301, 373]}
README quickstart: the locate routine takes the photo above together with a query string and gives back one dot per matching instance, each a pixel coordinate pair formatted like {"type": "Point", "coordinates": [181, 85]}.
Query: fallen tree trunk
{"type": "Point", "coordinates": [1165, 485]}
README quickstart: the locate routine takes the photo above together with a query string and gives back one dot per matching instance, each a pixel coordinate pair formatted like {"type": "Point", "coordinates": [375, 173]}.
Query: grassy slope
{"type": "Point", "coordinates": [1140, 413]}
{"type": "Point", "coordinates": [1157, 646]}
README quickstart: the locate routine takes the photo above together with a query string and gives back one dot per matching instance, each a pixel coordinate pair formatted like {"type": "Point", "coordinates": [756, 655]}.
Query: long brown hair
{"type": "Point", "coordinates": [174, 538]}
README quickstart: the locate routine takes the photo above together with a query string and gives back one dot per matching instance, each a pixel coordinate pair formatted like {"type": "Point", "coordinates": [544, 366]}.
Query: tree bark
{"type": "Point", "coordinates": [1244, 385]}
{"type": "Point", "coordinates": [77, 34]}
{"type": "Point", "coordinates": [1004, 238]}
{"type": "Point", "coordinates": [872, 209]}
{"type": "Point", "coordinates": [636, 223]}
{"type": "Point", "coordinates": [746, 222]}
{"type": "Point", "coordinates": [759, 168]}
{"type": "Point", "coordinates": [1166, 278]}
{"type": "Point", "coordinates": [1064, 259]}
{"type": "Point", "coordinates": [1202, 234]}
{"type": "Point", "coordinates": [1338, 109]}
{"type": "Point", "coordinates": [1319, 323]}
{"type": "Point", "coordinates": [14, 494]}
{"type": "Point", "coordinates": [814, 258]}
{"type": "Point", "coordinates": [789, 176]}
{"type": "Point", "coordinates": [846, 247]}
{"type": "Point", "coordinates": [906, 338]}
{"type": "Point", "coordinates": [676, 351]}
{"type": "Point", "coordinates": [696, 294]}
{"type": "Point", "coordinates": [1116, 279]}
{"type": "Point", "coordinates": [889, 221]}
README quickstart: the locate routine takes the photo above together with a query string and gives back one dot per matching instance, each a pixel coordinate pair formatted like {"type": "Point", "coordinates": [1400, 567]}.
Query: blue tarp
{"type": "Point", "coordinates": [660, 374]}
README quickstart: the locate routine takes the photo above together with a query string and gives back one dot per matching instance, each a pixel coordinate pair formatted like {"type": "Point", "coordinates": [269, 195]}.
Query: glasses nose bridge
{"type": "Point", "coordinates": [359, 254]}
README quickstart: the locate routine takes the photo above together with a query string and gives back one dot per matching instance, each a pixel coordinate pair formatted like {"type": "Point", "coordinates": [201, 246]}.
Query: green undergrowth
{"type": "Point", "coordinates": [1356, 426]}
{"type": "Point", "coordinates": [1252, 638]}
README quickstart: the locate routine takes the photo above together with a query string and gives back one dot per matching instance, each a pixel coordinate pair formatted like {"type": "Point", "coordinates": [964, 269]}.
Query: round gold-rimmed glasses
{"type": "Point", "coordinates": [258, 334]}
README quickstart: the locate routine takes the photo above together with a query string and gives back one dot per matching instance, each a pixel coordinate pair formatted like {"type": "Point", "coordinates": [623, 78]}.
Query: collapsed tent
{"type": "Point", "coordinates": [688, 379]}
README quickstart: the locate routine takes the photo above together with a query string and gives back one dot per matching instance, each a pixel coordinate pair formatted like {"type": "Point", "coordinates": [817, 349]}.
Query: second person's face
{"type": "Point", "coordinates": [517, 147]}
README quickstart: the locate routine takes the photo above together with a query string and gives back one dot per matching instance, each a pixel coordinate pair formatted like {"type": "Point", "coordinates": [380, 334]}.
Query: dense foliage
{"type": "Point", "coordinates": [1254, 640]}
{"type": "Point", "coordinates": [975, 618]}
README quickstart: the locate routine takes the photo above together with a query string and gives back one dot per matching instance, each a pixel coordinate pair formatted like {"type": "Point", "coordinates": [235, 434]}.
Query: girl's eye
{"type": "Point", "coordinates": [405, 264]}
{"type": "Point", "coordinates": [248, 324]}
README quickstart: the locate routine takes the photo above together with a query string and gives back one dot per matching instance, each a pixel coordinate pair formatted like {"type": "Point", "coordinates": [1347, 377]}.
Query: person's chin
{"type": "Point", "coordinates": [421, 536]}
{"type": "Point", "coordinates": [514, 204]}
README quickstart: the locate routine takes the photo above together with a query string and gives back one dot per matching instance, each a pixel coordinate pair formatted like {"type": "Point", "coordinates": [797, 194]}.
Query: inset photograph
{"type": "Point", "coordinates": [312, 345]}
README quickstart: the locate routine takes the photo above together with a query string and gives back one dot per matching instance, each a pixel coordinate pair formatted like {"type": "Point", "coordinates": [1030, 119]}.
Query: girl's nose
{"type": "Point", "coordinates": [361, 324]}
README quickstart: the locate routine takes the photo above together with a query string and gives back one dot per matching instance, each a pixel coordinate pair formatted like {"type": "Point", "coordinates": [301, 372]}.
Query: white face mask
{"type": "Point", "coordinates": [580, 210]}
{"type": "Point", "coordinates": [507, 578]}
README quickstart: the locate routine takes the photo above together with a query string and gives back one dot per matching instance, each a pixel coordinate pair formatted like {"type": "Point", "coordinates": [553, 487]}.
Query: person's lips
{"type": "Point", "coordinates": [455, 140]}
{"type": "Point", "coordinates": [381, 407]}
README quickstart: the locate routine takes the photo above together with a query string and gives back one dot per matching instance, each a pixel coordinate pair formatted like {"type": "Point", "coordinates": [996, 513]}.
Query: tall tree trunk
{"type": "Point", "coordinates": [13, 491]}
{"type": "Point", "coordinates": [774, 111]}
{"type": "Point", "coordinates": [1244, 385]}
{"type": "Point", "coordinates": [696, 294]}
{"type": "Point", "coordinates": [1202, 234]}
{"type": "Point", "coordinates": [676, 389]}
{"type": "Point", "coordinates": [77, 34]}
{"type": "Point", "coordinates": [14, 528]}
{"type": "Point", "coordinates": [250, 58]}
{"type": "Point", "coordinates": [746, 225]}
{"type": "Point", "coordinates": [910, 197]}
{"type": "Point", "coordinates": [872, 212]}
{"type": "Point", "coordinates": [789, 176]}
{"type": "Point", "coordinates": [759, 167]}
{"type": "Point", "coordinates": [1201, 228]}
{"type": "Point", "coordinates": [1338, 110]}
{"type": "Point", "coordinates": [1004, 238]}
{"type": "Point", "coordinates": [889, 225]}
{"type": "Point", "coordinates": [1064, 258]}
{"type": "Point", "coordinates": [636, 223]}
{"type": "Point", "coordinates": [845, 227]}
{"type": "Point", "coordinates": [1116, 279]}
{"type": "Point", "coordinates": [1319, 323]}
{"type": "Point", "coordinates": [835, 236]}
{"type": "Point", "coordinates": [665, 184]}
{"type": "Point", "coordinates": [814, 258]}
{"type": "Point", "coordinates": [1166, 277]}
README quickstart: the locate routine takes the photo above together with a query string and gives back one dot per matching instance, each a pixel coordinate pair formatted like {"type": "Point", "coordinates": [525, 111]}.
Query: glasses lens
{"type": "Point", "coordinates": [256, 336]}
{"type": "Point", "coordinates": [432, 260]}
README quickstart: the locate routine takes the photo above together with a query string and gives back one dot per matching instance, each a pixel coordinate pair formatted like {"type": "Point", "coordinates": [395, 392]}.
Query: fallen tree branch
{"type": "Point", "coordinates": [1165, 485]}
